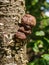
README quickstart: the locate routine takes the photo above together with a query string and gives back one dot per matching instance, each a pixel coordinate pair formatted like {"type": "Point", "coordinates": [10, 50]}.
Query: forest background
{"type": "Point", "coordinates": [40, 34]}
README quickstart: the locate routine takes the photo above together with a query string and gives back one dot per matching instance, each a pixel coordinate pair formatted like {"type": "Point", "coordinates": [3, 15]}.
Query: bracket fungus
{"type": "Point", "coordinates": [29, 20]}
{"type": "Point", "coordinates": [20, 35]}
{"type": "Point", "coordinates": [25, 27]}
{"type": "Point", "coordinates": [26, 31]}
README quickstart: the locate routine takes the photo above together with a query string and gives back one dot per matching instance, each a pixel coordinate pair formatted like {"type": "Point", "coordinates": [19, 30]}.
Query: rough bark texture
{"type": "Point", "coordinates": [11, 52]}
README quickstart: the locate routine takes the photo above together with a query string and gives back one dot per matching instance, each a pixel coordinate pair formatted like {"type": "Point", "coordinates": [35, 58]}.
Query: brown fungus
{"type": "Point", "coordinates": [25, 26]}
{"type": "Point", "coordinates": [20, 35]}
{"type": "Point", "coordinates": [29, 20]}
{"type": "Point", "coordinates": [26, 31]}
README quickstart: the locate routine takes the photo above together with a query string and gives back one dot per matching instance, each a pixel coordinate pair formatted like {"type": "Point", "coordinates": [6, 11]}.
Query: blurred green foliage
{"type": "Point", "coordinates": [40, 33]}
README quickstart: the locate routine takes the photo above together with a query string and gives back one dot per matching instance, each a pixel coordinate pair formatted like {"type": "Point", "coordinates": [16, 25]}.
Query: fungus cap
{"type": "Point", "coordinates": [20, 35]}
{"type": "Point", "coordinates": [29, 20]}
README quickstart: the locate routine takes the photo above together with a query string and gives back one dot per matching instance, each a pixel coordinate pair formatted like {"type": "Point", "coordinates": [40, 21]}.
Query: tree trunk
{"type": "Point", "coordinates": [11, 52]}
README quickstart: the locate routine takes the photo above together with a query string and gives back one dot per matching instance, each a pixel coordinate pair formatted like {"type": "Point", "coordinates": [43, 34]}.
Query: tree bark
{"type": "Point", "coordinates": [11, 52]}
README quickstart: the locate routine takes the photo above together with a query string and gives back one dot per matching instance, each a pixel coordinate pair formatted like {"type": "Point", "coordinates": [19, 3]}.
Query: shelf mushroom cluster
{"type": "Point", "coordinates": [27, 22]}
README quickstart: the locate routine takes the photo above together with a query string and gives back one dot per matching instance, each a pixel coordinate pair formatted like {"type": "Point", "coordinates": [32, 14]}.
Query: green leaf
{"type": "Point", "coordinates": [34, 2]}
{"type": "Point", "coordinates": [46, 39]}
{"type": "Point", "coordinates": [40, 43]}
{"type": "Point", "coordinates": [46, 57]}
{"type": "Point", "coordinates": [35, 48]}
{"type": "Point", "coordinates": [40, 33]}
{"type": "Point", "coordinates": [44, 22]}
